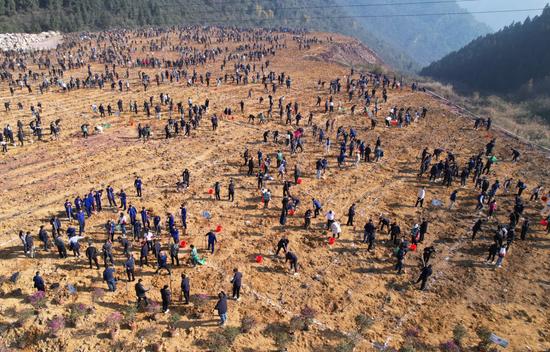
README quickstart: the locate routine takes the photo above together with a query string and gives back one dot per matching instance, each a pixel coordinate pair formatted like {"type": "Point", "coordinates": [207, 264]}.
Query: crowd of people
{"type": "Point", "coordinates": [138, 233]}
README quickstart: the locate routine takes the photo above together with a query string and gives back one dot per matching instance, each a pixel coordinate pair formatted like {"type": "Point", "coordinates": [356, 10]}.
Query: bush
{"type": "Point", "coordinates": [153, 307]}
{"type": "Point", "coordinates": [459, 333]}
{"type": "Point", "coordinates": [173, 320]}
{"type": "Point", "coordinates": [483, 334]}
{"type": "Point", "coordinates": [247, 323]}
{"type": "Point", "coordinates": [37, 299]}
{"type": "Point", "coordinates": [113, 320]}
{"type": "Point", "coordinates": [221, 340]}
{"type": "Point", "coordinates": [56, 325]}
{"type": "Point", "coordinates": [281, 334]}
{"type": "Point", "coordinates": [130, 314]}
{"type": "Point", "coordinates": [97, 295]}
{"type": "Point", "coordinates": [449, 346]}
{"type": "Point", "coordinates": [77, 311]}
{"type": "Point", "coordinates": [363, 323]}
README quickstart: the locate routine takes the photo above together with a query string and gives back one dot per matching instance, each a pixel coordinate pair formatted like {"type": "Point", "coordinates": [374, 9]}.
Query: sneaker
{"type": "Point", "coordinates": [166, 311]}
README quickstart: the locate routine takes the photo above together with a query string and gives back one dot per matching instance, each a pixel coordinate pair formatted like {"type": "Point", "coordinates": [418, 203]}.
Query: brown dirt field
{"type": "Point", "coordinates": [339, 282]}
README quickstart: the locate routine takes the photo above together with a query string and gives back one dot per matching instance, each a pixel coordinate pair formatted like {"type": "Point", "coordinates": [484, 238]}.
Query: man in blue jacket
{"type": "Point", "coordinates": [138, 184]}
{"type": "Point", "coordinates": [211, 241]}
{"type": "Point", "coordinates": [237, 282]}
{"type": "Point", "coordinates": [109, 277]}
{"type": "Point", "coordinates": [221, 307]}
{"type": "Point", "coordinates": [39, 282]}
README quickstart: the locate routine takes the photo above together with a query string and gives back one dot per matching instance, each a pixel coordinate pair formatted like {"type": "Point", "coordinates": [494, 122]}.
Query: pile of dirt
{"type": "Point", "coordinates": [30, 41]}
{"type": "Point", "coordinates": [349, 53]}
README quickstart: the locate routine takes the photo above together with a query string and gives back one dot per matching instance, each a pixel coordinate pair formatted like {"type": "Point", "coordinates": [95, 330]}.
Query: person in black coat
{"type": "Point", "coordinates": [39, 282]}
{"type": "Point", "coordinates": [293, 259]}
{"type": "Point", "coordinates": [282, 244]}
{"type": "Point", "coordinates": [91, 254]}
{"type": "Point", "coordinates": [351, 215]}
{"type": "Point", "coordinates": [221, 307]}
{"type": "Point", "coordinates": [424, 275]}
{"type": "Point", "coordinates": [237, 282]}
{"type": "Point", "coordinates": [185, 288]}
{"type": "Point", "coordinates": [166, 297]}
{"type": "Point", "coordinates": [140, 293]}
{"type": "Point", "coordinates": [143, 254]}
{"type": "Point", "coordinates": [130, 266]}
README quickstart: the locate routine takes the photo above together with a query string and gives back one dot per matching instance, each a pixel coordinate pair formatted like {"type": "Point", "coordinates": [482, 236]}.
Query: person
{"type": "Point", "coordinates": [39, 282]}
{"type": "Point", "coordinates": [91, 254]}
{"type": "Point", "coordinates": [501, 255]}
{"type": "Point", "coordinates": [423, 229]}
{"type": "Point", "coordinates": [400, 255]}
{"type": "Point", "coordinates": [330, 215]}
{"type": "Point", "coordinates": [476, 228]}
{"type": "Point", "coordinates": [420, 198]}
{"type": "Point", "coordinates": [237, 282]}
{"type": "Point", "coordinates": [221, 307]}
{"type": "Point", "coordinates": [231, 190]}
{"type": "Point", "coordinates": [211, 241]}
{"type": "Point", "coordinates": [427, 254]}
{"type": "Point", "coordinates": [130, 265]}
{"type": "Point", "coordinates": [293, 259]}
{"type": "Point", "coordinates": [493, 250]}
{"type": "Point", "coordinates": [174, 253]}
{"type": "Point", "coordinates": [141, 293]}
{"type": "Point", "coordinates": [61, 249]}
{"type": "Point", "coordinates": [43, 236]}
{"type": "Point", "coordinates": [29, 244]}
{"type": "Point", "coordinates": [424, 275]}
{"type": "Point", "coordinates": [185, 288]}
{"type": "Point", "coordinates": [351, 215]}
{"type": "Point", "coordinates": [163, 263]}
{"type": "Point", "coordinates": [166, 297]}
{"type": "Point", "coordinates": [452, 198]}
{"type": "Point", "coordinates": [138, 185]}
{"type": "Point", "coordinates": [336, 229]}
{"type": "Point", "coordinates": [524, 229]}
{"type": "Point", "coordinates": [282, 244]}
{"type": "Point", "coordinates": [109, 277]}
{"type": "Point", "coordinates": [307, 219]}
{"type": "Point", "coordinates": [143, 253]}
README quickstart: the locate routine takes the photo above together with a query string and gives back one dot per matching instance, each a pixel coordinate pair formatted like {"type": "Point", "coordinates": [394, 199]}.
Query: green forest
{"type": "Point", "coordinates": [514, 61]}
{"type": "Point", "coordinates": [406, 43]}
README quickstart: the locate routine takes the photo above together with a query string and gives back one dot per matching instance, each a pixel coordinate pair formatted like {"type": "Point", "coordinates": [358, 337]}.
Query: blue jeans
{"type": "Point", "coordinates": [211, 246]}
{"type": "Point", "coordinates": [112, 285]}
{"type": "Point", "coordinates": [223, 318]}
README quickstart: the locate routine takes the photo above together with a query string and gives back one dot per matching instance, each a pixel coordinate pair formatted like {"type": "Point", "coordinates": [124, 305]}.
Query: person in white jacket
{"type": "Point", "coordinates": [335, 229]}
{"type": "Point", "coordinates": [421, 196]}
{"type": "Point", "coordinates": [331, 215]}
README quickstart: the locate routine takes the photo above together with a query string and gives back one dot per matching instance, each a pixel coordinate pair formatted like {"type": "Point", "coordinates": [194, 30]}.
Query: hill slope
{"type": "Point", "coordinates": [424, 40]}
{"type": "Point", "coordinates": [502, 62]}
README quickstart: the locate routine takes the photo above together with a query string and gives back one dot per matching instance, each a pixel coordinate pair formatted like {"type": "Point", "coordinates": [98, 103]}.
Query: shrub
{"type": "Point", "coordinates": [130, 314]}
{"type": "Point", "coordinates": [247, 323]}
{"type": "Point", "coordinates": [77, 311]}
{"type": "Point", "coordinates": [97, 295]}
{"type": "Point", "coordinates": [449, 346]}
{"type": "Point", "coordinates": [363, 323]}
{"type": "Point", "coordinates": [459, 333]}
{"type": "Point", "coordinates": [147, 332]}
{"type": "Point", "coordinates": [37, 299]}
{"type": "Point", "coordinates": [56, 325]}
{"type": "Point", "coordinates": [483, 334]}
{"type": "Point", "coordinates": [113, 320]}
{"type": "Point", "coordinates": [173, 320]}
{"type": "Point", "coordinates": [281, 334]}
{"type": "Point", "coordinates": [153, 307]}
{"type": "Point", "coordinates": [221, 340]}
